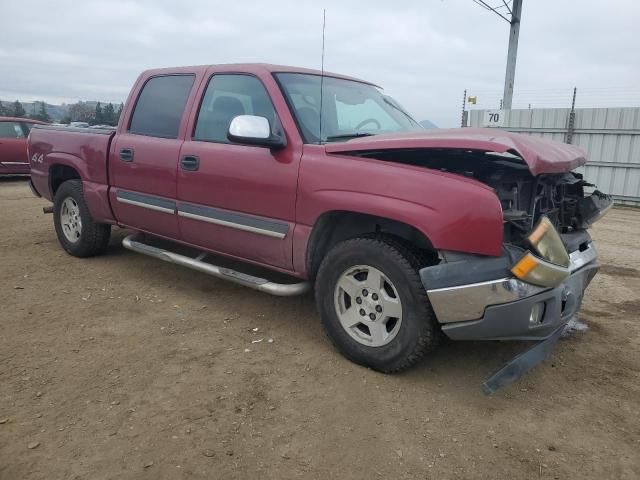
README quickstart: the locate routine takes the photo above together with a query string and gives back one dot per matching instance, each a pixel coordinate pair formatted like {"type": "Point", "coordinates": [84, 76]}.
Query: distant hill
{"type": "Point", "coordinates": [428, 124]}
{"type": "Point", "coordinates": [56, 112]}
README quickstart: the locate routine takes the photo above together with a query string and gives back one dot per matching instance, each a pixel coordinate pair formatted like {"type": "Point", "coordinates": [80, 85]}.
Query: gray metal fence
{"type": "Point", "coordinates": [610, 136]}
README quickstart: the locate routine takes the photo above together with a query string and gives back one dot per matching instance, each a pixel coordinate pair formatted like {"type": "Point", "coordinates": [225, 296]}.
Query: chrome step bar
{"type": "Point", "coordinates": [263, 285]}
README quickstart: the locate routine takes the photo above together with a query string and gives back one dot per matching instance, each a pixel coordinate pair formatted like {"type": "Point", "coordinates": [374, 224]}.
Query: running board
{"type": "Point", "coordinates": [261, 284]}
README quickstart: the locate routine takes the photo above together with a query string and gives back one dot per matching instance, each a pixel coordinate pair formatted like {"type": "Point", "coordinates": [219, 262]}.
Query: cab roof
{"type": "Point", "coordinates": [254, 68]}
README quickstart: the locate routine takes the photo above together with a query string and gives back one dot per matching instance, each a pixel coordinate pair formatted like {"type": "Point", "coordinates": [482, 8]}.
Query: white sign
{"type": "Point", "coordinates": [493, 118]}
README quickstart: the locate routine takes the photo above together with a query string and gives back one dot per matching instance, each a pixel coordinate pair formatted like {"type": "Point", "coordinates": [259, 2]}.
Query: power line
{"type": "Point", "coordinates": [513, 19]}
{"type": "Point", "coordinates": [507, 7]}
{"type": "Point", "coordinates": [486, 6]}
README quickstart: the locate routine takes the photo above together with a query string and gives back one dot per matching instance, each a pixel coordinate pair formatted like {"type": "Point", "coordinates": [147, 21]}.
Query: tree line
{"type": "Point", "coordinates": [98, 114]}
{"type": "Point", "coordinates": [17, 110]}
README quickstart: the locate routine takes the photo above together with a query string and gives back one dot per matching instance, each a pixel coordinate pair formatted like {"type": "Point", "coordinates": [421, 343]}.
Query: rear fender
{"type": "Point", "coordinates": [93, 180]}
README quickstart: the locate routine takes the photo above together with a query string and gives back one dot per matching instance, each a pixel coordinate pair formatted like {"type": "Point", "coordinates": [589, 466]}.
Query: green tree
{"type": "Point", "coordinates": [98, 119]}
{"type": "Point", "coordinates": [81, 112]}
{"type": "Point", "coordinates": [109, 114]}
{"type": "Point", "coordinates": [119, 112]}
{"type": "Point", "coordinates": [66, 118]}
{"type": "Point", "coordinates": [41, 113]}
{"type": "Point", "coordinates": [18, 109]}
{"type": "Point", "coordinates": [4, 111]}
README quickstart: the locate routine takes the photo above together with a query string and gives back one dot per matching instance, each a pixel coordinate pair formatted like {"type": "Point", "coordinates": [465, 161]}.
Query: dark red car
{"type": "Point", "coordinates": [13, 144]}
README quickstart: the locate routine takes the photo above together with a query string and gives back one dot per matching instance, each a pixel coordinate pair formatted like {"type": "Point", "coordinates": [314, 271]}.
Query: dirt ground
{"type": "Point", "coordinates": [126, 367]}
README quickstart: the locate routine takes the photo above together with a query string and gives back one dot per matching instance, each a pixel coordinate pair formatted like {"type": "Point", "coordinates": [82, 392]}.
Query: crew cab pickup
{"type": "Point", "coordinates": [406, 234]}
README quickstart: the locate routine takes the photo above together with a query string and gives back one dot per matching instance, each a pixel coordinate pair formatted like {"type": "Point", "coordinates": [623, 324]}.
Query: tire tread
{"type": "Point", "coordinates": [94, 239]}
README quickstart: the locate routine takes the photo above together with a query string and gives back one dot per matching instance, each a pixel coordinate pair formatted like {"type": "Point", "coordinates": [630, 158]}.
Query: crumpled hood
{"type": "Point", "coordinates": [541, 155]}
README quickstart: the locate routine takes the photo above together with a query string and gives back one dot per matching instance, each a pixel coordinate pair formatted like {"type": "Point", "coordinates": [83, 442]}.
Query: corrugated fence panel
{"type": "Point", "coordinates": [610, 136]}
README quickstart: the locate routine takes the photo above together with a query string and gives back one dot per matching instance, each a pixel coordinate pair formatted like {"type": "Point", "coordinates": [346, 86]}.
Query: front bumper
{"type": "Point", "coordinates": [522, 363]}
{"type": "Point", "coordinates": [501, 309]}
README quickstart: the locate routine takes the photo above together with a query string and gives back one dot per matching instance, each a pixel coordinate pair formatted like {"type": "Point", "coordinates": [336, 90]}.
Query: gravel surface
{"type": "Point", "coordinates": [126, 367]}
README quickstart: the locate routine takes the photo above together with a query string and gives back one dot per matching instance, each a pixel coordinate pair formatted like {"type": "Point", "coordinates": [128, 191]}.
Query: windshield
{"type": "Point", "coordinates": [349, 108]}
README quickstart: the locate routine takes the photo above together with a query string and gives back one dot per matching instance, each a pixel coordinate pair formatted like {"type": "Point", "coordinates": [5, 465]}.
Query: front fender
{"type": "Point", "coordinates": [454, 212]}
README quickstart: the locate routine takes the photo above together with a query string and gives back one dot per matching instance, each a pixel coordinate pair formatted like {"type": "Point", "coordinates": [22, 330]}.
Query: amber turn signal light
{"type": "Point", "coordinates": [524, 266]}
{"type": "Point", "coordinates": [536, 271]}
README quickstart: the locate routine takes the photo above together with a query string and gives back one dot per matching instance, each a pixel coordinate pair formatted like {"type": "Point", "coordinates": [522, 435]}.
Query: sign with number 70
{"type": "Point", "coordinates": [493, 118]}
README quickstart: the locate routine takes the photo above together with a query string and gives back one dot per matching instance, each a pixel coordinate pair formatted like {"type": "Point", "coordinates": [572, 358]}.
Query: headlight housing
{"type": "Point", "coordinates": [534, 270]}
{"type": "Point", "coordinates": [546, 240]}
{"type": "Point", "coordinates": [553, 267]}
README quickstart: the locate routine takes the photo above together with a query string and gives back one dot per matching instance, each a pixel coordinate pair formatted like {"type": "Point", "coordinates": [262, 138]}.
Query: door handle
{"type": "Point", "coordinates": [126, 155]}
{"type": "Point", "coordinates": [190, 163]}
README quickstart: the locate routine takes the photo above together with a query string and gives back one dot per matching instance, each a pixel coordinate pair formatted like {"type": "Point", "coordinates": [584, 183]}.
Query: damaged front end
{"type": "Point", "coordinates": [534, 289]}
{"type": "Point", "coordinates": [536, 286]}
{"type": "Point", "coordinates": [563, 198]}
{"type": "Point", "coordinates": [525, 294]}
{"type": "Point", "coordinates": [525, 190]}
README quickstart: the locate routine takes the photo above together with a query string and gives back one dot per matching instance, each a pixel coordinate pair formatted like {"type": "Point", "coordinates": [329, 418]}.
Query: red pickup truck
{"type": "Point", "coordinates": [406, 234]}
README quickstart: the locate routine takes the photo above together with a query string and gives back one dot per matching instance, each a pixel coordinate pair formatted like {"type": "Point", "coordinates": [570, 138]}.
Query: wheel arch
{"type": "Point", "coordinates": [63, 167]}
{"type": "Point", "coordinates": [60, 173]}
{"type": "Point", "coordinates": [335, 226]}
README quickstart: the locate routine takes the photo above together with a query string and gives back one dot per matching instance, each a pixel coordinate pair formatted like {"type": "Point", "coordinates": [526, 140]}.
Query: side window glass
{"type": "Point", "coordinates": [160, 106]}
{"type": "Point", "coordinates": [18, 129]}
{"type": "Point", "coordinates": [10, 130]}
{"type": "Point", "coordinates": [226, 97]}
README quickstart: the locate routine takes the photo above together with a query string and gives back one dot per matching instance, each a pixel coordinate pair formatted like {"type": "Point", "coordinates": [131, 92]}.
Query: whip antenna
{"type": "Point", "coordinates": [324, 24]}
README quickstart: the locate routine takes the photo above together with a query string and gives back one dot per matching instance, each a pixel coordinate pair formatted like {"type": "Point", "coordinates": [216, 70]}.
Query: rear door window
{"type": "Point", "coordinates": [11, 130]}
{"type": "Point", "coordinates": [160, 106]}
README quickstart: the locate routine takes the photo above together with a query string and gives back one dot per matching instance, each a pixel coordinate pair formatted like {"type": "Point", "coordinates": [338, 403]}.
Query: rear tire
{"type": "Point", "coordinates": [78, 234]}
{"type": "Point", "coordinates": [377, 275]}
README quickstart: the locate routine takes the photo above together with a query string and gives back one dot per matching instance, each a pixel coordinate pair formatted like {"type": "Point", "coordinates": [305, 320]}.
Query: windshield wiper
{"type": "Point", "coordinates": [393, 105]}
{"type": "Point", "coordinates": [348, 135]}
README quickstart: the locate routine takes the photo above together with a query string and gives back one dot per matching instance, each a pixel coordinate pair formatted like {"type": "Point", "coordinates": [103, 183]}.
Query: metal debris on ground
{"type": "Point", "coordinates": [574, 325]}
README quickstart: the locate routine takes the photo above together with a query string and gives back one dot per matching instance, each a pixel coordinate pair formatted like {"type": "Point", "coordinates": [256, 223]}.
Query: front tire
{"type": "Point", "coordinates": [373, 305]}
{"type": "Point", "coordinates": [78, 234]}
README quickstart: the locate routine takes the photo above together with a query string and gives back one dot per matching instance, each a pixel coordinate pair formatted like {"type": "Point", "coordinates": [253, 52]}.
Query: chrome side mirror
{"type": "Point", "coordinates": [253, 130]}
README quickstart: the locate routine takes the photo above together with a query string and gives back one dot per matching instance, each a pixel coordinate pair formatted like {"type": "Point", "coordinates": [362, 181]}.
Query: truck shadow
{"type": "Point", "coordinates": [12, 179]}
{"type": "Point", "coordinates": [466, 364]}
{"type": "Point", "coordinates": [463, 364]}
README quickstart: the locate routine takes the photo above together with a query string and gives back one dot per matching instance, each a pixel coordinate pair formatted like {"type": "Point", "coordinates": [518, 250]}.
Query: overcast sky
{"type": "Point", "coordinates": [424, 52]}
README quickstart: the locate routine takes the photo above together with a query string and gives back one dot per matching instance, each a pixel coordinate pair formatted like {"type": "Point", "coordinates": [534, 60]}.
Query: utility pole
{"type": "Point", "coordinates": [463, 120]}
{"type": "Point", "coordinates": [512, 16]}
{"type": "Point", "coordinates": [514, 33]}
{"type": "Point", "coordinates": [572, 119]}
